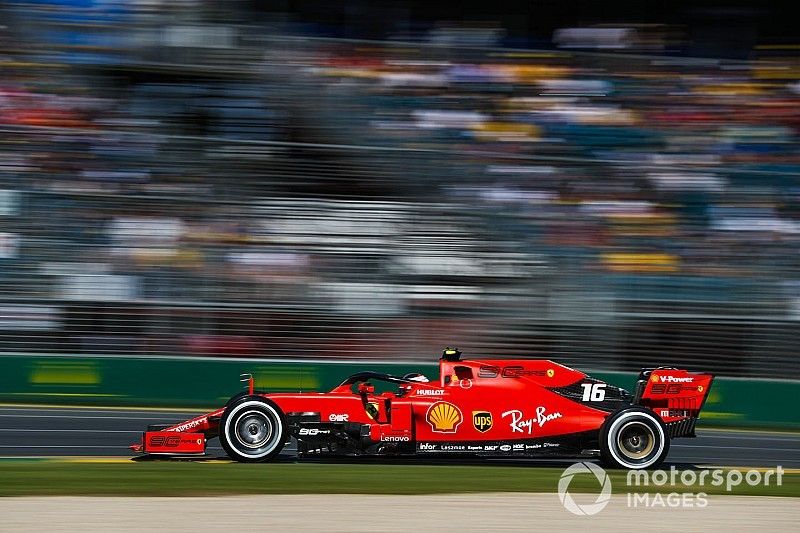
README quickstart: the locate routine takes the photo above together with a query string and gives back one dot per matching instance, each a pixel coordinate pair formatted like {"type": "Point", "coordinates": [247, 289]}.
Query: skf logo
{"type": "Point", "coordinates": [444, 417]}
{"type": "Point", "coordinates": [482, 420]}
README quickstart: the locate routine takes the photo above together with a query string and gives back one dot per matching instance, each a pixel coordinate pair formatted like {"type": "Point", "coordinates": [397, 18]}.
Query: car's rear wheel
{"type": "Point", "coordinates": [633, 438]}
{"type": "Point", "coordinates": [252, 429]}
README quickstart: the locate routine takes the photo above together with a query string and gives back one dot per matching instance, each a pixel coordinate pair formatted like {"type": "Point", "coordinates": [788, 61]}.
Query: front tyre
{"type": "Point", "coordinates": [252, 429]}
{"type": "Point", "coordinates": [633, 438]}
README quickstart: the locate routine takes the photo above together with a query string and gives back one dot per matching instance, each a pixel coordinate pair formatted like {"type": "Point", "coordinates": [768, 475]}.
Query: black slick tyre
{"type": "Point", "coordinates": [252, 429]}
{"type": "Point", "coordinates": [633, 438]}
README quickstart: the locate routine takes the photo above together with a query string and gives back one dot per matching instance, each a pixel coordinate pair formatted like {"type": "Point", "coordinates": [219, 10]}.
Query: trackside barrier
{"type": "Point", "coordinates": [202, 383]}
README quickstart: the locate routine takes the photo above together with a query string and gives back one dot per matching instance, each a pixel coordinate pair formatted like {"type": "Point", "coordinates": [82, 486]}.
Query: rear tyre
{"type": "Point", "coordinates": [633, 438]}
{"type": "Point", "coordinates": [252, 429]}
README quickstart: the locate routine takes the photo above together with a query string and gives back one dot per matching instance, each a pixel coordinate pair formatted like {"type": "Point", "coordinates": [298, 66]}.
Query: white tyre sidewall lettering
{"type": "Point", "coordinates": [611, 440]}
{"type": "Point", "coordinates": [278, 427]}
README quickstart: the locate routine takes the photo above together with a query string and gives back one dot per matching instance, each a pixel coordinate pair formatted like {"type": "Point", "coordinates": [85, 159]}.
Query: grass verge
{"type": "Point", "coordinates": [53, 477]}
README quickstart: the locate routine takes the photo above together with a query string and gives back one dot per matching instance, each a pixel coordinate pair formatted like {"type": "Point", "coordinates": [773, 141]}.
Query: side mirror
{"type": "Point", "coordinates": [366, 388]}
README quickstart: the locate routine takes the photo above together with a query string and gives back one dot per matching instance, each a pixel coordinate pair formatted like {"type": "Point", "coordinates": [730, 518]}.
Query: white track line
{"type": "Point", "coordinates": [108, 447]}
{"type": "Point", "coordinates": [736, 447]}
{"type": "Point", "coordinates": [59, 446]}
{"type": "Point", "coordinates": [88, 417]}
{"type": "Point", "coordinates": [739, 437]}
{"type": "Point", "coordinates": [108, 411]}
{"type": "Point", "coordinates": [74, 430]}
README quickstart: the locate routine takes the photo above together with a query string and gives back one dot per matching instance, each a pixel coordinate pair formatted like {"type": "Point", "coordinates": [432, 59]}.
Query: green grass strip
{"type": "Point", "coordinates": [53, 477]}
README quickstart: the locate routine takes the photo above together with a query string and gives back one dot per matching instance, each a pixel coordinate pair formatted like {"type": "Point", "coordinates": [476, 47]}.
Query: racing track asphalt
{"type": "Point", "coordinates": [75, 431]}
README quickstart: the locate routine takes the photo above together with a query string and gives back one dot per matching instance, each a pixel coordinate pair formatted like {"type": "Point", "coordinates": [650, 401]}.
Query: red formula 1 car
{"type": "Point", "coordinates": [523, 408]}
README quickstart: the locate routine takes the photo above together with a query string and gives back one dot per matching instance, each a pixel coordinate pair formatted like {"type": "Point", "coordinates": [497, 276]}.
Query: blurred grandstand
{"type": "Point", "coordinates": [175, 182]}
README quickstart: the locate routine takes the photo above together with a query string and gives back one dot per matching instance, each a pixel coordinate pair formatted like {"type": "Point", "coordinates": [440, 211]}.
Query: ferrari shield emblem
{"type": "Point", "coordinates": [372, 410]}
{"type": "Point", "coordinates": [482, 420]}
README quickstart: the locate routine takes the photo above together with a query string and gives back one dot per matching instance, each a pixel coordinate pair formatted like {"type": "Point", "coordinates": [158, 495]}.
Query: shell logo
{"type": "Point", "coordinates": [444, 417]}
{"type": "Point", "coordinates": [654, 378]}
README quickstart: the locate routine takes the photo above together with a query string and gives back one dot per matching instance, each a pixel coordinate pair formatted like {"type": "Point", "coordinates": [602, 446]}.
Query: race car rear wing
{"type": "Point", "coordinates": [676, 395]}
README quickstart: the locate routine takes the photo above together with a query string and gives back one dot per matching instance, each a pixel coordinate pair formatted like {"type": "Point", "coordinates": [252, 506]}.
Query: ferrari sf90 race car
{"type": "Point", "coordinates": [490, 408]}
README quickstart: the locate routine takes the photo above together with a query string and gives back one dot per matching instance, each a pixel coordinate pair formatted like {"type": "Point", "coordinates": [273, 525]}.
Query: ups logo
{"type": "Point", "coordinates": [482, 420]}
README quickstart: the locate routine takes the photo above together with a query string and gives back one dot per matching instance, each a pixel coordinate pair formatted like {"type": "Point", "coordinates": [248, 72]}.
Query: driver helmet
{"type": "Point", "coordinates": [415, 376]}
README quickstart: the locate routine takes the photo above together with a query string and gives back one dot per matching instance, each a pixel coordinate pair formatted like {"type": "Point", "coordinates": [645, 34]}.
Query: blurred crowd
{"type": "Point", "coordinates": [169, 185]}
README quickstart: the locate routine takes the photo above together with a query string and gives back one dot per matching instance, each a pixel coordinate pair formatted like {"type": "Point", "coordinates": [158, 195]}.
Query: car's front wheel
{"type": "Point", "coordinates": [252, 429]}
{"type": "Point", "coordinates": [633, 438]}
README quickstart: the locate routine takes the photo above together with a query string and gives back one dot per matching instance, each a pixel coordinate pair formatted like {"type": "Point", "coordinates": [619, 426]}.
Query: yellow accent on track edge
{"type": "Point", "coordinates": [214, 460]}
